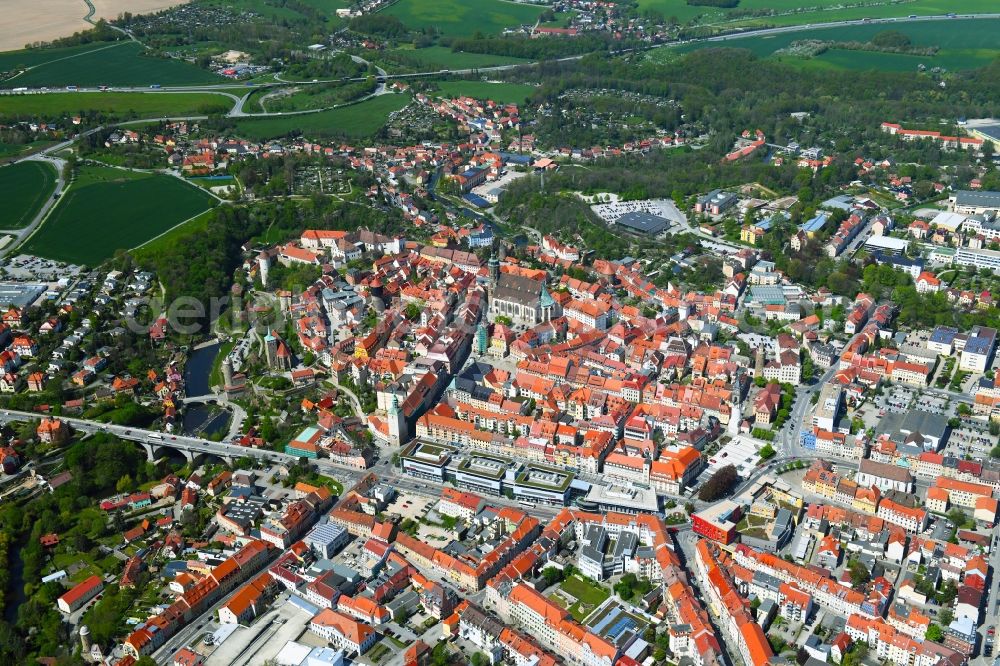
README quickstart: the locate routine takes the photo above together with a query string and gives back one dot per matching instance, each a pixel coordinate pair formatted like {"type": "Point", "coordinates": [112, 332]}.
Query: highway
{"type": "Point", "coordinates": [8, 85]}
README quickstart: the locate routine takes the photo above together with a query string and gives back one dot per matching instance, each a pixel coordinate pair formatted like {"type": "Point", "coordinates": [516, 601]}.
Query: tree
{"type": "Point", "coordinates": [440, 655]}
{"type": "Point", "coordinates": [624, 587]}
{"type": "Point", "coordinates": [859, 573]}
{"type": "Point", "coordinates": [947, 593]}
{"type": "Point", "coordinates": [720, 485]}
{"type": "Point", "coordinates": [125, 484]}
{"type": "Point", "coordinates": [946, 616]}
{"type": "Point", "coordinates": [957, 517]}
{"type": "Point", "coordinates": [934, 633]}
{"type": "Point", "coordinates": [552, 575]}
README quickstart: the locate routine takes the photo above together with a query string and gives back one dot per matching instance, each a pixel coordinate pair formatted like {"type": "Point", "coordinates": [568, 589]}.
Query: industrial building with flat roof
{"type": "Point", "coordinates": [19, 294]}
{"type": "Point", "coordinates": [642, 222]}
{"type": "Point", "coordinates": [887, 244]}
{"type": "Point", "coordinates": [971, 202]}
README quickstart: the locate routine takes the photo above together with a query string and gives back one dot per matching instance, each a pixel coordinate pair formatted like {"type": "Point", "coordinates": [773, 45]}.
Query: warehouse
{"type": "Point", "coordinates": [643, 223]}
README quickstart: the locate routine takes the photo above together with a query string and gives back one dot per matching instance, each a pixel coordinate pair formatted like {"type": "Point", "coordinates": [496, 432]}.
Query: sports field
{"type": "Point", "coordinates": [503, 93]}
{"type": "Point", "coordinates": [444, 58]}
{"type": "Point", "coordinates": [464, 18]}
{"type": "Point", "coordinates": [121, 64]}
{"type": "Point", "coordinates": [120, 105]}
{"type": "Point", "coordinates": [26, 186]}
{"type": "Point", "coordinates": [355, 121]}
{"type": "Point", "coordinates": [963, 44]}
{"type": "Point", "coordinates": [107, 209]}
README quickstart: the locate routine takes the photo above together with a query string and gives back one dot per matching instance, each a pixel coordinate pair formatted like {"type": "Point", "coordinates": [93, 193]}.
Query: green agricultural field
{"type": "Point", "coordinates": [503, 93]}
{"type": "Point", "coordinates": [25, 187]}
{"type": "Point", "coordinates": [176, 235]}
{"type": "Point", "coordinates": [120, 105]}
{"type": "Point", "coordinates": [963, 44]}
{"type": "Point", "coordinates": [11, 60]}
{"type": "Point", "coordinates": [355, 121]}
{"type": "Point", "coordinates": [789, 12]}
{"type": "Point", "coordinates": [101, 213]}
{"type": "Point", "coordinates": [444, 58]}
{"type": "Point", "coordinates": [464, 18]}
{"type": "Point", "coordinates": [120, 65]}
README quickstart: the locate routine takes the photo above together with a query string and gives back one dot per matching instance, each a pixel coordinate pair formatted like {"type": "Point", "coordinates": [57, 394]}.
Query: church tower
{"type": "Point", "coordinates": [397, 423]}
{"type": "Point", "coordinates": [494, 266]}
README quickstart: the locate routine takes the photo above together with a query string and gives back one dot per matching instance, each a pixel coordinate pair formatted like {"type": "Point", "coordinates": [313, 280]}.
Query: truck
{"type": "Point", "coordinates": [72, 88]}
{"type": "Point", "coordinates": [155, 86]}
{"type": "Point", "coordinates": [155, 436]}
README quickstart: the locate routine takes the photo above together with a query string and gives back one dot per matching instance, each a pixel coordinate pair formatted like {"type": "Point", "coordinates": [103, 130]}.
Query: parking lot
{"type": "Point", "coordinates": [26, 267]}
{"type": "Point", "coordinates": [971, 438]}
{"type": "Point", "coordinates": [409, 505]}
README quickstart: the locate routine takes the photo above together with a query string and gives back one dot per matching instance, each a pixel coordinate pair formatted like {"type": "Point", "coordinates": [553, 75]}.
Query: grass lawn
{"type": "Point", "coordinates": [444, 58]}
{"type": "Point", "coordinates": [12, 150]}
{"type": "Point", "coordinates": [120, 105]}
{"type": "Point", "coordinates": [101, 213]}
{"type": "Point", "coordinates": [503, 93]}
{"type": "Point", "coordinates": [215, 374]}
{"type": "Point", "coordinates": [355, 121]}
{"type": "Point", "coordinates": [463, 18]}
{"type": "Point", "coordinates": [588, 594]}
{"type": "Point", "coordinates": [25, 187]}
{"type": "Point", "coordinates": [963, 44]}
{"type": "Point", "coordinates": [120, 65]}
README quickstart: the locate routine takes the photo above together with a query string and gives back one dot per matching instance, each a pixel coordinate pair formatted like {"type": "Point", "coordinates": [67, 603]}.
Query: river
{"type": "Point", "coordinates": [204, 419]}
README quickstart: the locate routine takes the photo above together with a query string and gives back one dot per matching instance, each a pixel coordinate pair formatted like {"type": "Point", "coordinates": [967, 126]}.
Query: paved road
{"type": "Point", "coordinates": [48, 156]}
{"type": "Point", "coordinates": [11, 83]}
{"type": "Point", "coordinates": [193, 445]}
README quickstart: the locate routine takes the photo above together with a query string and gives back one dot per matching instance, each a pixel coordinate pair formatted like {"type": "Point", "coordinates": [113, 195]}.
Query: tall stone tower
{"type": "Point", "coordinates": [397, 423]}
{"type": "Point", "coordinates": [85, 641]}
{"type": "Point", "coordinates": [494, 268]}
{"type": "Point", "coordinates": [264, 266]}
{"type": "Point", "coordinates": [227, 372]}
